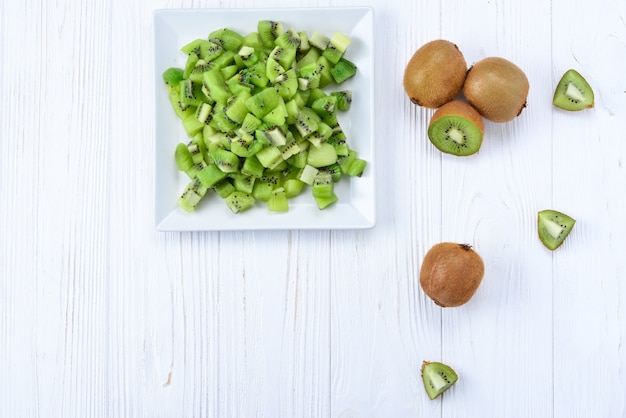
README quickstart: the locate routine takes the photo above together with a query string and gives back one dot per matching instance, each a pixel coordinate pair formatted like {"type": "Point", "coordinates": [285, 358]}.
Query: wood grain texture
{"type": "Point", "coordinates": [55, 117]}
{"type": "Point", "coordinates": [589, 277]}
{"type": "Point", "coordinates": [101, 316]}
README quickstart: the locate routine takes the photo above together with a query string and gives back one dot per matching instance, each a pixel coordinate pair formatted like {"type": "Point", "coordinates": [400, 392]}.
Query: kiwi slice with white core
{"type": "Point", "coordinates": [456, 128]}
{"type": "Point", "coordinates": [437, 378]}
{"type": "Point", "coordinates": [553, 227]}
{"type": "Point", "coordinates": [573, 92]}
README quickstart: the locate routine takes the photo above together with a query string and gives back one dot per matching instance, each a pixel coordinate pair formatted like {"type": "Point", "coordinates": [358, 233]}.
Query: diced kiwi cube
{"type": "Point", "coordinates": [275, 135]}
{"type": "Point", "coordinates": [299, 160]}
{"type": "Point", "coordinates": [290, 149]}
{"type": "Point", "coordinates": [239, 201]}
{"type": "Point", "coordinates": [356, 168]}
{"type": "Point", "coordinates": [293, 187]}
{"type": "Point", "coordinates": [257, 75]}
{"type": "Point", "coordinates": [338, 140]}
{"type": "Point", "coordinates": [252, 40]}
{"type": "Point", "coordinates": [332, 54]}
{"type": "Point", "coordinates": [189, 200]}
{"type": "Point", "coordinates": [190, 64]}
{"type": "Point", "coordinates": [215, 84]}
{"type": "Point", "coordinates": [322, 155]}
{"type": "Point", "coordinates": [223, 188]}
{"type": "Point", "coordinates": [292, 109]}
{"type": "Point", "coordinates": [326, 77]}
{"type": "Point", "coordinates": [319, 40]}
{"type": "Point", "coordinates": [344, 99]}
{"type": "Point", "coordinates": [229, 71]}
{"type": "Point", "coordinates": [224, 59]}
{"type": "Point", "coordinates": [196, 152]}
{"type": "Point", "coordinates": [277, 201]}
{"type": "Point", "coordinates": [268, 31]}
{"type": "Point", "coordinates": [230, 40]}
{"type": "Point", "coordinates": [324, 201]}
{"type": "Point", "coordinates": [304, 41]}
{"type": "Point", "coordinates": [236, 109]}
{"type": "Point", "coordinates": [323, 185]}
{"type": "Point", "coordinates": [173, 76]}
{"type": "Point", "coordinates": [337, 45]}
{"type": "Point", "coordinates": [221, 121]}
{"type": "Point", "coordinates": [278, 115]}
{"type": "Point", "coordinates": [343, 70]}
{"type": "Point", "coordinates": [310, 57]}
{"type": "Point", "coordinates": [240, 145]}
{"type": "Point", "coordinates": [270, 156]}
{"type": "Point", "coordinates": [243, 182]}
{"type": "Point", "coordinates": [192, 125]}
{"type": "Point", "coordinates": [264, 102]}
{"type": "Point", "coordinates": [347, 160]}
{"type": "Point", "coordinates": [183, 157]}
{"type": "Point", "coordinates": [210, 175]}
{"type": "Point", "coordinates": [307, 174]}
{"type": "Point", "coordinates": [252, 167]}
{"type": "Point", "coordinates": [334, 170]}
{"type": "Point", "coordinates": [325, 106]}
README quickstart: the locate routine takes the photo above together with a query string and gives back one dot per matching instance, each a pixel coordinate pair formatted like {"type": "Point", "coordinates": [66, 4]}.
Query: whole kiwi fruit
{"type": "Point", "coordinates": [497, 88]}
{"type": "Point", "coordinates": [451, 273]}
{"type": "Point", "coordinates": [435, 74]}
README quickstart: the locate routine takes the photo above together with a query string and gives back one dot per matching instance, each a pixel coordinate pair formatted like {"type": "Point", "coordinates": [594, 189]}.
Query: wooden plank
{"type": "Point", "coordinates": [217, 324]}
{"type": "Point", "coordinates": [382, 325]}
{"type": "Point", "coordinates": [55, 102]}
{"type": "Point", "coordinates": [498, 340]}
{"type": "Point", "coordinates": [102, 316]}
{"type": "Point", "coordinates": [589, 268]}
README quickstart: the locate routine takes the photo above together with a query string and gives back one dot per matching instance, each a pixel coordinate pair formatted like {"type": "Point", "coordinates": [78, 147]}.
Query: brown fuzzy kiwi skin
{"type": "Point", "coordinates": [497, 88]}
{"type": "Point", "coordinates": [435, 74]}
{"type": "Point", "coordinates": [451, 273]}
{"type": "Point", "coordinates": [459, 108]}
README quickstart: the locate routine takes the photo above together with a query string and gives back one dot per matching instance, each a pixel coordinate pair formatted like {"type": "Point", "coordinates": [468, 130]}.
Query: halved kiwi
{"type": "Point", "coordinates": [573, 92]}
{"type": "Point", "coordinates": [456, 128]}
{"type": "Point", "coordinates": [554, 227]}
{"type": "Point", "coordinates": [437, 378]}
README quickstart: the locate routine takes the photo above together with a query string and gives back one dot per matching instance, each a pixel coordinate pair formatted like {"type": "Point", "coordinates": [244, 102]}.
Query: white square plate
{"type": "Point", "coordinates": [356, 206]}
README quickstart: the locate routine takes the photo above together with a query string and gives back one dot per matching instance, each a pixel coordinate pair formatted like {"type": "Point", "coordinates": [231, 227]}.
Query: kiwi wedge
{"type": "Point", "coordinates": [437, 378]}
{"type": "Point", "coordinates": [497, 89]}
{"type": "Point", "coordinates": [456, 128]}
{"type": "Point", "coordinates": [553, 227]}
{"type": "Point", "coordinates": [435, 74]}
{"type": "Point", "coordinates": [573, 92]}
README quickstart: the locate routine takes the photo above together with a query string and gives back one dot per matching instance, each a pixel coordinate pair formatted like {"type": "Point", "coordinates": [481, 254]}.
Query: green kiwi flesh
{"type": "Point", "coordinates": [256, 110]}
{"type": "Point", "coordinates": [437, 378]}
{"type": "Point", "coordinates": [573, 92]}
{"type": "Point", "coordinates": [553, 227]}
{"type": "Point", "coordinates": [457, 129]}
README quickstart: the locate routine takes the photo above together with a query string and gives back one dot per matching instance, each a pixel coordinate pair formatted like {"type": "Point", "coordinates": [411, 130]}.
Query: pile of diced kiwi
{"type": "Point", "coordinates": [261, 114]}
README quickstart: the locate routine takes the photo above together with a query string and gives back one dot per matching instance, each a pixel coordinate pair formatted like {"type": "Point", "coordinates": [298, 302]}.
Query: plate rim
{"type": "Point", "coordinates": [163, 222]}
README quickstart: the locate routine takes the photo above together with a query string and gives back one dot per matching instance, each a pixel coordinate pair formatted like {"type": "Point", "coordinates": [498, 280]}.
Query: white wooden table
{"type": "Point", "coordinates": [102, 316]}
